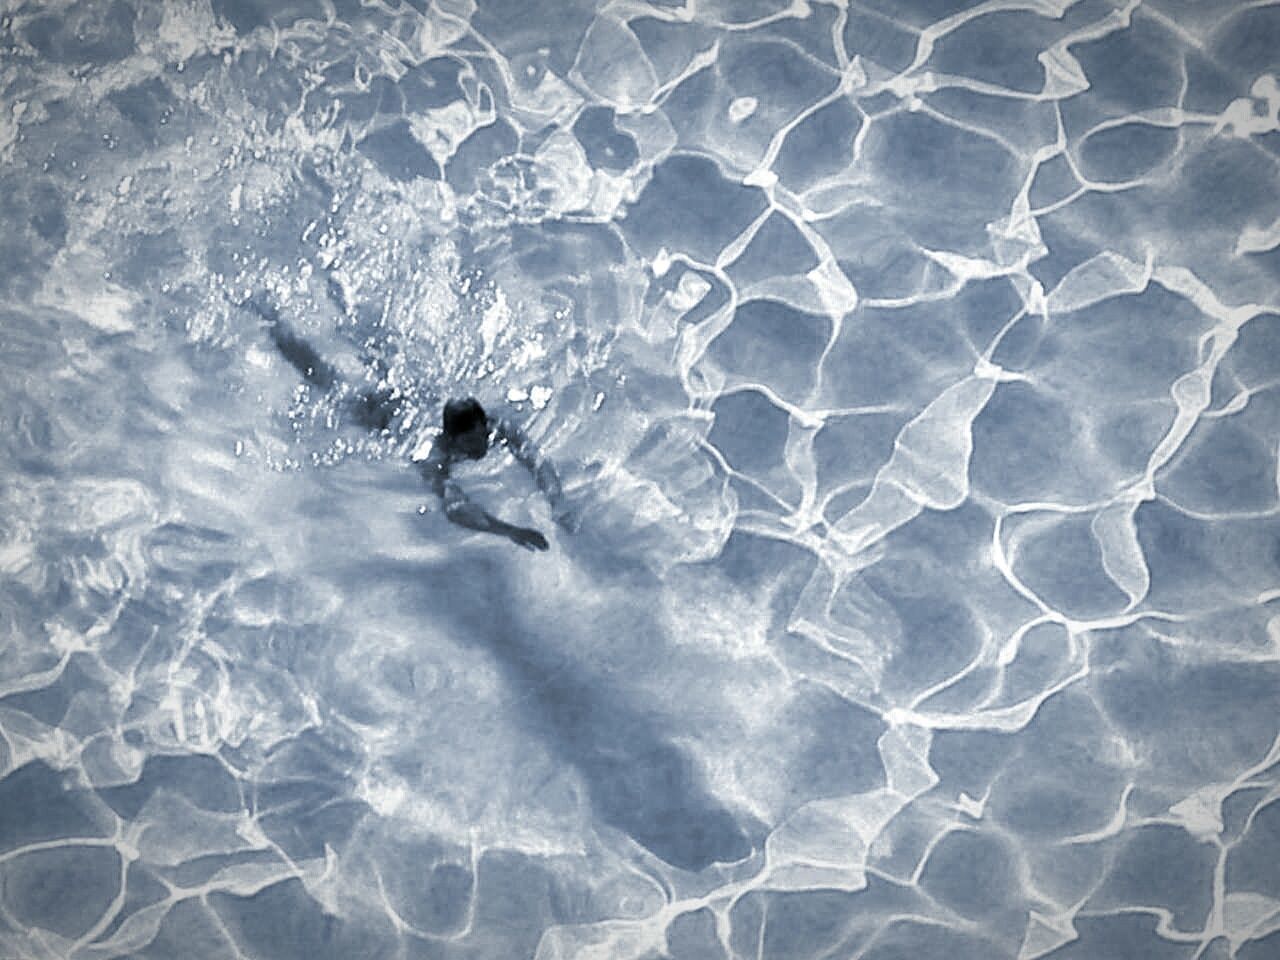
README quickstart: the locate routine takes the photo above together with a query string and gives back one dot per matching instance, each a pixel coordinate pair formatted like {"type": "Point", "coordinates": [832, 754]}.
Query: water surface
{"type": "Point", "coordinates": [911, 369]}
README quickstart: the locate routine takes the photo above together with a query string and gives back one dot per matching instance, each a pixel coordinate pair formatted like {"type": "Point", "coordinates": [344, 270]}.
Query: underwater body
{"type": "Point", "coordinates": [911, 373]}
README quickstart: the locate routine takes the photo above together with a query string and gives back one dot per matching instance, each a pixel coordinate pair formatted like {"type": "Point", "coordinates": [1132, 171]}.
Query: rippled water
{"type": "Point", "coordinates": [912, 371]}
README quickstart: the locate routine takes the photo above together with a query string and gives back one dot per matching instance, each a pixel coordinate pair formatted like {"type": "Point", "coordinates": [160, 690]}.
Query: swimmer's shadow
{"type": "Point", "coordinates": [638, 780]}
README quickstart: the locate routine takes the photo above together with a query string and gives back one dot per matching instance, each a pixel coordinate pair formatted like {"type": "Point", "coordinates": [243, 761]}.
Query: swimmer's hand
{"type": "Point", "coordinates": [528, 538]}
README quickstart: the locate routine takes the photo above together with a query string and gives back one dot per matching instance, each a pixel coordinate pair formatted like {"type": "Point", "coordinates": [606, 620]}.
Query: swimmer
{"type": "Point", "coordinates": [468, 433]}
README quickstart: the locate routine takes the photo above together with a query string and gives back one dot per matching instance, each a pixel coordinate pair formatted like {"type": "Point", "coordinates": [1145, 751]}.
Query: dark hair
{"type": "Point", "coordinates": [462, 415]}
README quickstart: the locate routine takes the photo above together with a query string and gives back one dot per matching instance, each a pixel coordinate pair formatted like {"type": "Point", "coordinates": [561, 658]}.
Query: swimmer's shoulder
{"type": "Point", "coordinates": [435, 465]}
{"type": "Point", "coordinates": [505, 427]}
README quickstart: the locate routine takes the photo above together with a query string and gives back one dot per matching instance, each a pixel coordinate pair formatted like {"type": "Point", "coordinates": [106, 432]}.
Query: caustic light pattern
{"type": "Point", "coordinates": [912, 371]}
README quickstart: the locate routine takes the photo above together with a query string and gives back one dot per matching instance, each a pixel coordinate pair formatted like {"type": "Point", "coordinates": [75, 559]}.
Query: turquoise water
{"type": "Point", "coordinates": [911, 373]}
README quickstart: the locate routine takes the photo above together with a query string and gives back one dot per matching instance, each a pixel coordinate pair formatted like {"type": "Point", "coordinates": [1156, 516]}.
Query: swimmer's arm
{"type": "Point", "coordinates": [300, 354]}
{"type": "Point", "coordinates": [460, 509]}
{"type": "Point", "coordinates": [373, 409]}
{"type": "Point", "coordinates": [523, 449]}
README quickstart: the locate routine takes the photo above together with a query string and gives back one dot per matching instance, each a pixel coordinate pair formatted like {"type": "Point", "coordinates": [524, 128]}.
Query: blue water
{"type": "Point", "coordinates": [912, 371]}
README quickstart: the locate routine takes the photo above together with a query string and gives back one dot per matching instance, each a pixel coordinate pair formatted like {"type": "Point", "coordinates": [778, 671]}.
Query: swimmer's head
{"type": "Point", "coordinates": [466, 427]}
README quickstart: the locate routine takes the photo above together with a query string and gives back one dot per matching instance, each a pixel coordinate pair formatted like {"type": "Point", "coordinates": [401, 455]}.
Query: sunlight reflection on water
{"type": "Point", "coordinates": [911, 371]}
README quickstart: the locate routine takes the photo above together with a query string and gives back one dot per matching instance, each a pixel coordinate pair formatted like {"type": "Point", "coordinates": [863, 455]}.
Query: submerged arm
{"type": "Point", "coordinates": [463, 511]}
{"type": "Point", "coordinates": [300, 354]}
{"type": "Point", "coordinates": [372, 409]}
{"type": "Point", "coordinates": [543, 472]}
